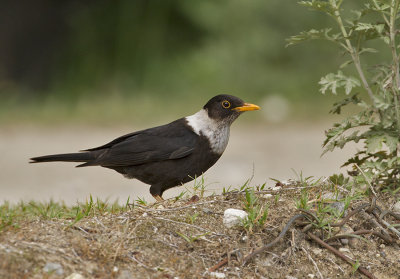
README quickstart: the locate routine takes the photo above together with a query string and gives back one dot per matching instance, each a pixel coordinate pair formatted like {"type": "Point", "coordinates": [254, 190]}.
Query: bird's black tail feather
{"type": "Point", "coordinates": [67, 157]}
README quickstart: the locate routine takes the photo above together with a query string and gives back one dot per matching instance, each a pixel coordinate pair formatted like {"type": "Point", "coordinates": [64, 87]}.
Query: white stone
{"type": "Point", "coordinates": [218, 274]}
{"type": "Point", "coordinates": [276, 188]}
{"type": "Point", "coordinates": [267, 196]}
{"type": "Point", "coordinates": [234, 217]}
{"type": "Point", "coordinates": [344, 250]}
{"type": "Point", "coordinates": [75, 276]}
{"type": "Point", "coordinates": [396, 207]}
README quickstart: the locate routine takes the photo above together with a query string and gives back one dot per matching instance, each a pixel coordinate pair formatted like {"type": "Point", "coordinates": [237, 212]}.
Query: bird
{"type": "Point", "coordinates": [169, 155]}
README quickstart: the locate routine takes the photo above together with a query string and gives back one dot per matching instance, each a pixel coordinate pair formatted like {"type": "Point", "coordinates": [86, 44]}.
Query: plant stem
{"type": "Point", "coordinates": [394, 7]}
{"type": "Point", "coordinates": [354, 54]}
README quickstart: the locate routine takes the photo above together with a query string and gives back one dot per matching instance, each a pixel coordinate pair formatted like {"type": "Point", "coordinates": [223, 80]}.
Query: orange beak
{"type": "Point", "coordinates": [247, 107]}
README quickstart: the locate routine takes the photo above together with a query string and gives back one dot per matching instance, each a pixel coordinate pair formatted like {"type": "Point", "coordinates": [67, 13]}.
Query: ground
{"type": "Point", "coordinates": [186, 238]}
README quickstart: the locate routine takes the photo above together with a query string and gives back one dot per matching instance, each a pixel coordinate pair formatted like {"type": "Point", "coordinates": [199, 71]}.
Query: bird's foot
{"type": "Point", "coordinates": [158, 198]}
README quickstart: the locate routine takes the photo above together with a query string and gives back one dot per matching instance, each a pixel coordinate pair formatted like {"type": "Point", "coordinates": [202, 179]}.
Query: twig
{"type": "Point", "coordinates": [261, 249]}
{"type": "Point", "coordinates": [275, 241]}
{"type": "Point", "coordinates": [375, 223]}
{"type": "Point", "coordinates": [313, 262]}
{"type": "Point", "coordinates": [346, 219]}
{"type": "Point", "coordinates": [389, 226]}
{"type": "Point", "coordinates": [366, 178]}
{"type": "Point", "coordinates": [140, 263]}
{"type": "Point", "coordinates": [356, 235]}
{"type": "Point", "coordinates": [340, 255]}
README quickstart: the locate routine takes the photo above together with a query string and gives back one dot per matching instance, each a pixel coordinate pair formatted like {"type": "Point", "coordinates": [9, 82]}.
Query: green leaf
{"type": "Point", "coordinates": [333, 81]}
{"type": "Point", "coordinates": [322, 6]}
{"type": "Point", "coordinates": [312, 34]}
{"type": "Point", "coordinates": [372, 50]}
{"type": "Point", "coordinates": [364, 26]}
{"type": "Point", "coordinates": [373, 143]}
{"type": "Point", "coordinates": [391, 142]}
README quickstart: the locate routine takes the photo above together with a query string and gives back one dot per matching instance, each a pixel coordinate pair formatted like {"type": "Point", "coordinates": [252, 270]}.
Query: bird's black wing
{"type": "Point", "coordinates": [167, 142]}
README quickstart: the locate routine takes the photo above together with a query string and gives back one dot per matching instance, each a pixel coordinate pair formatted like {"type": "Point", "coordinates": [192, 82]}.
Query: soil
{"type": "Point", "coordinates": [185, 238]}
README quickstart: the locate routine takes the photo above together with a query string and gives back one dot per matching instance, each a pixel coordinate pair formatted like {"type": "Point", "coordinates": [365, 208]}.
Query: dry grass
{"type": "Point", "coordinates": [181, 239]}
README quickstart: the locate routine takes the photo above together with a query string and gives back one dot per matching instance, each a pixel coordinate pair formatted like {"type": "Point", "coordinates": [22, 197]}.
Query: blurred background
{"type": "Point", "coordinates": [76, 74]}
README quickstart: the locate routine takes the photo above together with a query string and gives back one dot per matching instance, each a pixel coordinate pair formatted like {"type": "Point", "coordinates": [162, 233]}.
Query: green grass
{"type": "Point", "coordinates": [11, 215]}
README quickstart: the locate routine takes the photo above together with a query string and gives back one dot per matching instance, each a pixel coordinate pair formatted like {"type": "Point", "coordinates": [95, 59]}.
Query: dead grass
{"type": "Point", "coordinates": [184, 239]}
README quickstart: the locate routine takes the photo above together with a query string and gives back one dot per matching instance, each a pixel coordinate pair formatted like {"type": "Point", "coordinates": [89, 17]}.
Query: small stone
{"type": "Point", "coordinates": [377, 255]}
{"type": "Point", "coordinates": [346, 229]}
{"type": "Point", "coordinates": [115, 269]}
{"type": "Point", "coordinates": [75, 276]}
{"type": "Point", "coordinates": [311, 276]}
{"type": "Point", "coordinates": [289, 182]}
{"type": "Point", "coordinates": [144, 214]}
{"type": "Point", "coordinates": [267, 196]}
{"type": "Point", "coordinates": [233, 217]}
{"type": "Point", "coordinates": [396, 207]}
{"type": "Point", "coordinates": [382, 246]}
{"type": "Point", "coordinates": [344, 250]}
{"type": "Point", "coordinates": [53, 267]}
{"type": "Point", "coordinates": [276, 188]}
{"type": "Point", "coordinates": [317, 251]}
{"type": "Point", "coordinates": [331, 196]}
{"type": "Point", "coordinates": [217, 274]}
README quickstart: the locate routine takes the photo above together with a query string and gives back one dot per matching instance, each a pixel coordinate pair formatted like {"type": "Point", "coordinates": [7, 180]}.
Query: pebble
{"type": "Point", "coordinates": [396, 207]}
{"type": "Point", "coordinates": [233, 217]}
{"type": "Point", "coordinates": [75, 276]}
{"type": "Point", "coordinates": [217, 274]}
{"type": "Point", "coordinates": [317, 251]}
{"type": "Point", "coordinates": [346, 229]}
{"type": "Point", "coordinates": [53, 267]}
{"type": "Point", "coordinates": [331, 196]}
{"type": "Point", "coordinates": [276, 188]}
{"type": "Point", "coordinates": [343, 250]}
{"type": "Point", "coordinates": [267, 196]}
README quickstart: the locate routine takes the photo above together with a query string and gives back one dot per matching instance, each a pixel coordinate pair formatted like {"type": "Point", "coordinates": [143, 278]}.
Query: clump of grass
{"type": "Point", "coordinates": [11, 215]}
{"type": "Point", "coordinates": [257, 212]}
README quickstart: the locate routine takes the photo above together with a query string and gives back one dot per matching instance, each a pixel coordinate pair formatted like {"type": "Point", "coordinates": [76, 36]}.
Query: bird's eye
{"type": "Point", "coordinates": [226, 104]}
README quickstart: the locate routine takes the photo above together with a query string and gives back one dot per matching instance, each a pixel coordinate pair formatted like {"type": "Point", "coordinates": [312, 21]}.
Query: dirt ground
{"type": "Point", "coordinates": [187, 239]}
{"type": "Point", "coordinates": [267, 150]}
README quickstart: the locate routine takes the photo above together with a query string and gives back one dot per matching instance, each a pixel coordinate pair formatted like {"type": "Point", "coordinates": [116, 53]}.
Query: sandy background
{"type": "Point", "coordinates": [272, 150]}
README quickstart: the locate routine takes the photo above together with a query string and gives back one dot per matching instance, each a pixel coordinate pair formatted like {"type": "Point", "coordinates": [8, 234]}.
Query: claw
{"type": "Point", "coordinates": [158, 198]}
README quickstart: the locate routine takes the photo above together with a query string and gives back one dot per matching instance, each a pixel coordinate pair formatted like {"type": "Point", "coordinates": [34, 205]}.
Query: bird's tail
{"type": "Point", "coordinates": [67, 157]}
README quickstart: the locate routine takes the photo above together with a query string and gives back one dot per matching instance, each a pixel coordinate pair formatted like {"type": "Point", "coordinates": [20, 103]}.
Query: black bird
{"type": "Point", "coordinates": [169, 155]}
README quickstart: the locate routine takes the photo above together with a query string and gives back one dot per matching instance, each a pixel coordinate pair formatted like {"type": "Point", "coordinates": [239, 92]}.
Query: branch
{"type": "Point", "coordinates": [354, 54]}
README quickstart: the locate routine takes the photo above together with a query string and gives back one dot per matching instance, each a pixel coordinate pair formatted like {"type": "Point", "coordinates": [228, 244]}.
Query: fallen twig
{"type": "Point", "coordinates": [360, 232]}
{"type": "Point", "coordinates": [261, 249]}
{"type": "Point", "coordinates": [340, 255]}
{"type": "Point", "coordinates": [313, 262]}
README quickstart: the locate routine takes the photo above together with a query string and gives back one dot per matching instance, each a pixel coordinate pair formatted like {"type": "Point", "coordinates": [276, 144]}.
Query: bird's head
{"type": "Point", "coordinates": [227, 108]}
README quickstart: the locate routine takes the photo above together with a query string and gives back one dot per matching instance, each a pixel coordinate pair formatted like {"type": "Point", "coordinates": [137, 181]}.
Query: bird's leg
{"type": "Point", "coordinates": [158, 198]}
